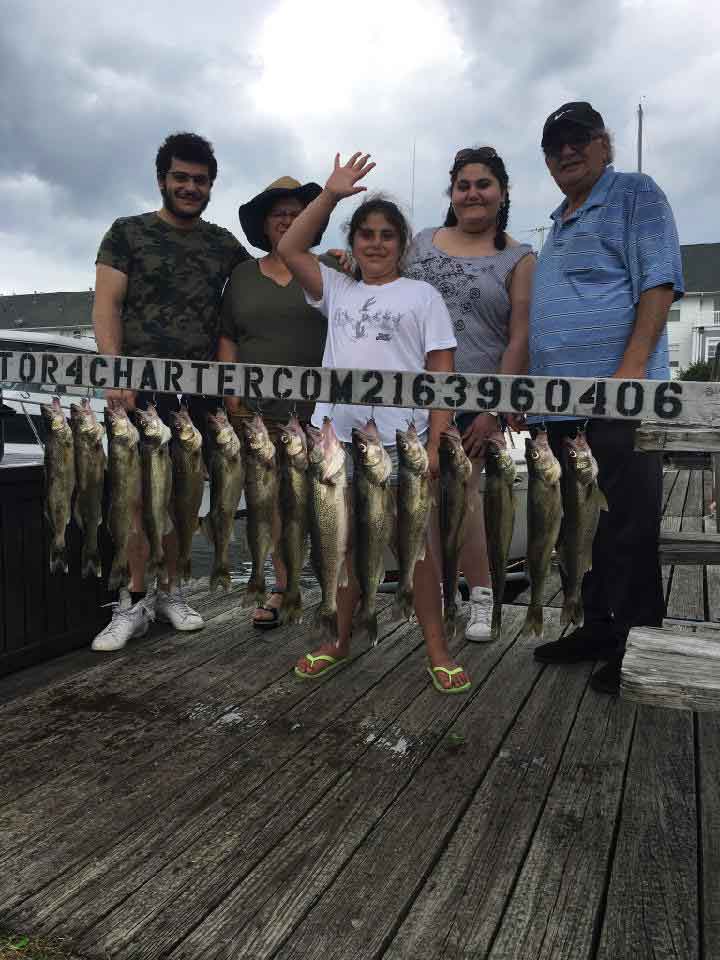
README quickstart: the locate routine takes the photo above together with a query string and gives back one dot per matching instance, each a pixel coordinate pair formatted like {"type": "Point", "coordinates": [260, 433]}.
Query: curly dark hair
{"type": "Point", "coordinates": [377, 203]}
{"type": "Point", "coordinates": [189, 147]}
{"type": "Point", "coordinates": [490, 158]}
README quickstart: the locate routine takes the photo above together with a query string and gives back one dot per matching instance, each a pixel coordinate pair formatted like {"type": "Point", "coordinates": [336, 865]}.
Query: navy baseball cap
{"type": "Point", "coordinates": [579, 113]}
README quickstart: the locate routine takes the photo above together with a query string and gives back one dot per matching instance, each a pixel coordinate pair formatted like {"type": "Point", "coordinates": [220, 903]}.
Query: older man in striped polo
{"type": "Point", "coordinates": [605, 279]}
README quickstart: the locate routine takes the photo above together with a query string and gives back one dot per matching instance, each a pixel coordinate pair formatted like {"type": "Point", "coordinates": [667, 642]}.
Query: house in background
{"type": "Point", "coordinates": [694, 322]}
{"type": "Point", "coordinates": [67, 313]}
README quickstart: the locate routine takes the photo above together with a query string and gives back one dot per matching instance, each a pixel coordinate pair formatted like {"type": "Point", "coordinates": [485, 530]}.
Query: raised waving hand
{"type": "Point", "coordinates": [341, 182]}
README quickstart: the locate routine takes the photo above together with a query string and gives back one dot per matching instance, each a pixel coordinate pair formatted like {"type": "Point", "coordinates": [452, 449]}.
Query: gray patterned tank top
{"type": "Point", "coordinates": [475, 292]}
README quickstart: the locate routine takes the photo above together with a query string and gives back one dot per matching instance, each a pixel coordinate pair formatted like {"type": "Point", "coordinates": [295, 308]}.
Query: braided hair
{"type": "Point", "coordinates": [489, 158]}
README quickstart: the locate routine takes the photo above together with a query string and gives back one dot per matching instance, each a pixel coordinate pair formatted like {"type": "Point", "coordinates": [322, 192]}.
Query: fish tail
{"type": "Point", "coordinates": [326, 625]}
{"type": "Point", "coordinates": [220, 577]}
{"type": "Point", "coordinates": [184, 568]}
{"type": "Point", "coordinates": [404, 603]}
{"type": "Point", "coordinates": [572, 612]}
{"type": "Point", "coordinates": [533, 625]}
{"type": "Point", "coordinates": [90, 565]}
{"type": "Point", "coordinates": [58, 557]}
{"type": "Point", "coordinates": [119, 574]}
{"type": "Point", "coordinates": [366, 625]}
{"type": "Point", "coordinates": [255, 592]}
{"type": "Point", "coordinates": [450, 620]}
{"type": "Point", "coordinates": [496, 626]}
{"type": "Point", "coordinates": [291, 607]}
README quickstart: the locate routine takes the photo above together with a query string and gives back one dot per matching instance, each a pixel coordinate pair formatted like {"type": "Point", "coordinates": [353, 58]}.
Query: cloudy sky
{"type": "Point", "coordinates": [88, 91]}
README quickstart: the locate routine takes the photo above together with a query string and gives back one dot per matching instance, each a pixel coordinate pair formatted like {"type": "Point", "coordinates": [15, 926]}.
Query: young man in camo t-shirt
{"type": "Point", "coordinates": [158, 287]}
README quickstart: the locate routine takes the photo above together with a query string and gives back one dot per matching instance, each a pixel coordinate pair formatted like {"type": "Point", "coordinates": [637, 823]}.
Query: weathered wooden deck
{"type": "Point", "coordinates": [190, 798]}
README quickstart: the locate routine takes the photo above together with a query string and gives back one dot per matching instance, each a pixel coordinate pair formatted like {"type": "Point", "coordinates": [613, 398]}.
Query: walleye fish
{"type": "Point", "coordinates": [156, 472]}
{"type": "Point", "coordinates": [329, 523]}
{"type": "Point", "coordinates": [455, 471]}
{"type": "Point", "coordinates": [582, 502]}
{"type": "Point", "coordinates": [227, 476]}
{"type": "Point", "coordinates": [188, 479]}
{"type": "Point", "coordinates": [90, 462]}
{"type": "Point", "coordinates": [59, 481]}
{"type": "Point", "coordinates": [544, 515]}
{"type": "Point", "coordinates": [373, 516]}
{"type": "Point", "coordinates": [294, 505]}
{"type": "Point", "coordinates": [499, 508]}
{"type": "Point", "coordinates": [414, 500]}
{"type": "Point", "coordinates": [261, 487]}
{"type": "Point", "coordinates": [125, 487]}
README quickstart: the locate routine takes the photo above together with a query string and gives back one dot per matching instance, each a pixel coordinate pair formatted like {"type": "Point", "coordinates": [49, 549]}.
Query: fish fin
{"type": "Point", "coordinates": [343, 574]}
{"type": "Point", "coordinates": [291, 607]}
{"type": "Point", "coordinates": [184, 569]}
{"type": "Point", "coordinates": [496, 626]}
{"type": "Point", "coordinates": [533, 625]}
{"type": "Point", "coordinates": [601, 499]}
{"type": "Point", "coordinates": [404, 603]}
{"type": "Point", "coordinates": [77, 516]}
{"type": "Point", "coordinates": [206, 526]}
{"type": "Point", "coordinates": [169, 525]}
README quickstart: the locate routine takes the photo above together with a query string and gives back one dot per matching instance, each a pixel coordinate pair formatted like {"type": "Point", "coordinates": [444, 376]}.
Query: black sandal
{"type": "Point", "coordinates": [275, 611]}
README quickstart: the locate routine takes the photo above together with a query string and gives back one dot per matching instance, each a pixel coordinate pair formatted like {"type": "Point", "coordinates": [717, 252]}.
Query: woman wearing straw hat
{"type": "Point", "coordinates": [263, 311]}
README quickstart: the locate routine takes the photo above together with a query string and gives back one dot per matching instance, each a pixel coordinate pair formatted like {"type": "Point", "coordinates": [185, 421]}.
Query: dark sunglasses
{"type": "Point", "coordinates": [575, 139]}
{"type": "Point", "coordinates": [474, 155]}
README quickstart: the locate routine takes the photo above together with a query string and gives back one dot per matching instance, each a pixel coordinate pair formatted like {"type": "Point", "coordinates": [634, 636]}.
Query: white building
{"type": "Point", "coordinates": [694, 322]}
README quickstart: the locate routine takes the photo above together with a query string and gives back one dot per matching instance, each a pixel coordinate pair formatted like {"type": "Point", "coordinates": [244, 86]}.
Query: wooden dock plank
{"type": "Point", "coordinates": [652, 902]}
{"type": "Point", "coordinates": [353, 758]}
{"type": "Point", "coordinates": [460, 909]}
{"type": "Point", "coordinates": [708, 759]}
{"type": "Point", "coordinates": [676, 500]}
{"type": "Point", "coordinates": [284, 719]}
{"type": "Point", "coordinates": [345, 891]}
{"type": "Point", "coordinates": [686, 599]}
{"type": "Point", "coordinates": [556, 905]}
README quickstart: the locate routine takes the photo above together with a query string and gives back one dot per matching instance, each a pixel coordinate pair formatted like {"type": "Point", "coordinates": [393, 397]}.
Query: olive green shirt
{"type": "Point", "coordinates": [273, 325]}
{"type": "Point", "coordinates": [175, 284]}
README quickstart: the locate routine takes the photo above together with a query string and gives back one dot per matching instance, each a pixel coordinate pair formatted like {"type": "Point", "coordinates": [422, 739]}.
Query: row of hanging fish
{"type": "Point", "coordinates": [564, 507]}
{"type": "Point", "coordinates": [305, 479]}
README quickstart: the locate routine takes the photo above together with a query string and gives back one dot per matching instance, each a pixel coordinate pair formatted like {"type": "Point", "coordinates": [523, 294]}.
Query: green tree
{"type": "Point", "coordinates": [701, 370]}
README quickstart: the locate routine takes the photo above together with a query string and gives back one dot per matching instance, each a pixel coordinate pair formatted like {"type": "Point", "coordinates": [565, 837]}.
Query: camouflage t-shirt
{"type": "Point", "coordinates": [175, 283]}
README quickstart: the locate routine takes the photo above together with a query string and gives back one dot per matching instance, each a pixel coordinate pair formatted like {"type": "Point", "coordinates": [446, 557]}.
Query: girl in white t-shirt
{"type": "Point", "coordinates": [380, 321]}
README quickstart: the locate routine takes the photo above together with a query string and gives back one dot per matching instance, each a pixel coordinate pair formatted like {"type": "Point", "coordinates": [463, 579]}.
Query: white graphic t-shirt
{"type": "Point", "coordinates": [388, 327]}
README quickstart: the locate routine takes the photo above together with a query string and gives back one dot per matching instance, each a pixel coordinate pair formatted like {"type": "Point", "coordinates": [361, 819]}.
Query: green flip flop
{"type": "Point", "coordinates": [433, 671]}
{"type": "Point", "coordinates": [332, 662]}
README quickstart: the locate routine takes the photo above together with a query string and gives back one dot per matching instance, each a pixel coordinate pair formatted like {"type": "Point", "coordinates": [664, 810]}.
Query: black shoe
{"type": "Point", "coordinates": [607, 678]}
{"type": "Point", "coordinates": [585, 643]}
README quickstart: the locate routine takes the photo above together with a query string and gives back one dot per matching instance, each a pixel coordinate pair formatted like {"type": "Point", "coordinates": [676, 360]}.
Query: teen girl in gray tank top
{"type": "Point", "coordinates": [475, 291]}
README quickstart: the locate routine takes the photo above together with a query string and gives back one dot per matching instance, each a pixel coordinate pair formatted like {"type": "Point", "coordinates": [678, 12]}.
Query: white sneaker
{"type": "Point", "coordinates": [478, 627]}
{"type": "Point", "coordinates": [171, 608]}
{"type": "Point", "coordinates": [128, 620]}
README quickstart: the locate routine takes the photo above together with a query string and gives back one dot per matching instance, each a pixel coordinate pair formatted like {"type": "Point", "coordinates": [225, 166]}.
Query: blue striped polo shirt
{"type": "Point", "coordinates": [591, 272]}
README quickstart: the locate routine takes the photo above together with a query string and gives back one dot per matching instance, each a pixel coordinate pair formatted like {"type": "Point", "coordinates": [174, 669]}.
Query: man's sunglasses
{"type": "Point", "coordinates": [575, 139]}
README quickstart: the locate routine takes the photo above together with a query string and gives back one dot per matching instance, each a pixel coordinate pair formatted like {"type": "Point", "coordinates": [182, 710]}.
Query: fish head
{"type": "Point", "coordinates": [411, 450]}
{"type": "Point", "coordinates": [541, 461]}
{"type": "Point", "coordinates": [579, 458]}
{"type": "Point", "coordinates": [497, 459]}
{"type": "Point", "coordinates": [369, 453]}
{"type": "Point", "coordinates": [54, 417]}
{"type": "Point", "coordinates": [294, 442]}
{"type": "Point", "coordinates": [450, 449]}
{"type": "Point", "coordinates": [332, 462]}
{"type": "Point", "coordinates": [185, 430]}
{"type": "Point", "coordinates": [152, 429]}
{"type": "Point", "coordinates": [257, 439]}
{"type": "Point", "coordinates": [120, 427]}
